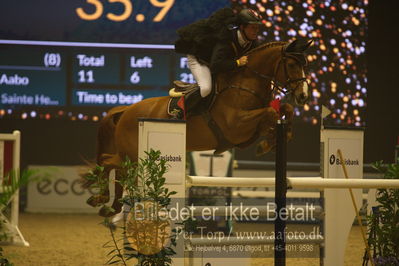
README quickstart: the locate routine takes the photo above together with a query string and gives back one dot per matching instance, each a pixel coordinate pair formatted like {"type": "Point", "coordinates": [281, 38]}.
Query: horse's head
{"type": "Point", "coordinates": [289, 75]}
{"type": "Point", "coordinates": [283, 65]}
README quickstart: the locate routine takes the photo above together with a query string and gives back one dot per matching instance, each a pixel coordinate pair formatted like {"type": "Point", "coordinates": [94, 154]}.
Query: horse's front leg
{"type": "Point", "coordinates": [266, 145]}
{"type": "Point", "coordinates": [261, 123]}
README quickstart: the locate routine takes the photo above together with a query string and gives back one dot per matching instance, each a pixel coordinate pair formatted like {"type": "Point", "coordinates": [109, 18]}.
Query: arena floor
{"type": "Point", "coordinates": [67, 239]}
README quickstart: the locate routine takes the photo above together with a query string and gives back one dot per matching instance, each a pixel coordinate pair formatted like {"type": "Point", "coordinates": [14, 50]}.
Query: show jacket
{"type": "Point", "coordinates": [225, 54]}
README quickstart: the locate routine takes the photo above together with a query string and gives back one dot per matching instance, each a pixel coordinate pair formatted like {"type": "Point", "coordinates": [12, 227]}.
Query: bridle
{"type": "Point", "coordinates": [279, 87]}
{"type": "Point", "coordinates": [285, 88]}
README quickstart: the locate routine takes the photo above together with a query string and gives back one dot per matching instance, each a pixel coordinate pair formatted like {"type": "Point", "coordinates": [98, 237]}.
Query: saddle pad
{"type": "Point", "coordinates": [176, 108]}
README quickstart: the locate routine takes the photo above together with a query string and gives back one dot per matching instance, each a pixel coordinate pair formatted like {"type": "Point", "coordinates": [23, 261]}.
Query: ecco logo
{"type": "Point", "coordinates": [332, 159]}
{"type": "Point", "coordinates": [61, 187]}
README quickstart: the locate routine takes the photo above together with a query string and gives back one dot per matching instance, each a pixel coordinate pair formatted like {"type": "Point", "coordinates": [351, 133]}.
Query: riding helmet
{"type": "Point", "coordinates": [249, 16]}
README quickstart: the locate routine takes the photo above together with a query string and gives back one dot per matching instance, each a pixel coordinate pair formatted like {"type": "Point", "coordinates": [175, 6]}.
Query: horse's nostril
{"type": "Point", "coordinates": [303, 96]}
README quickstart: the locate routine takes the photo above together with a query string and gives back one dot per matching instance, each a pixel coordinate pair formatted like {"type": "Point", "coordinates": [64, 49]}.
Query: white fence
{"type": "Point", "coordinates": [11, 157]}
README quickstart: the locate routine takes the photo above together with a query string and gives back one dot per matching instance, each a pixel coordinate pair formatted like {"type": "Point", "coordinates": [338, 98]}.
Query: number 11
{"type": "Point", "coordinates": [86, 77]}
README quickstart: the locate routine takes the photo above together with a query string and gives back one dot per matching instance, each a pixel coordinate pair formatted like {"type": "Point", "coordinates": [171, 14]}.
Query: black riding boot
{"type": "Point", "coordinates": [192, 102]}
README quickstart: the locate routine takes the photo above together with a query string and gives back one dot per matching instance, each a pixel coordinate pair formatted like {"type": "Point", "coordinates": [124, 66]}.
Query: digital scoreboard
{"type": "Point", "coordinates": [92, 53]}
{"type": "Point", "coordinates": [60, 76]}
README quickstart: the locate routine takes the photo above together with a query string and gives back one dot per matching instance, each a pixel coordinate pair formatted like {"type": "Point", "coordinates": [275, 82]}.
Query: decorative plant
{"type": "Point", "coordinates": [7, 190]}
{"type": "Point", "coordinates": [144, 238]}
{"type": "Point", "coordinates": [384, 221]}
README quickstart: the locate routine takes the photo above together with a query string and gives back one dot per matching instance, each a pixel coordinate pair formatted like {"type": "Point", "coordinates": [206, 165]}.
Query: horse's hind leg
{"type": "Point", "coordinates": [117, 204]}
{"type": "Point", "coordinates": [103, 196]}
{"type": "Point", "coordinates": [111, 162]}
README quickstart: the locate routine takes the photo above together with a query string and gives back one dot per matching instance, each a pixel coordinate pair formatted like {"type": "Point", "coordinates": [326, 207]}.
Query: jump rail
{"type": "Point", "coordinates": [293, 182]}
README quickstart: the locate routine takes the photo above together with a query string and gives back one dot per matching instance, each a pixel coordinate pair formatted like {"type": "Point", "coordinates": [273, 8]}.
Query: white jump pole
{"type": "Point", "coordinates": [293, 182]}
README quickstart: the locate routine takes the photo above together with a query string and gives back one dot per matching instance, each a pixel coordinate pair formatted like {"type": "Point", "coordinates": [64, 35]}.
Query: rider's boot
{"type": "Point", "coordinates": [192, 101]}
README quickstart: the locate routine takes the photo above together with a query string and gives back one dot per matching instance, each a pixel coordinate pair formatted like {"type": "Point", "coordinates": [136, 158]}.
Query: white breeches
{"type": "Point", "coordinates": [202, 75]}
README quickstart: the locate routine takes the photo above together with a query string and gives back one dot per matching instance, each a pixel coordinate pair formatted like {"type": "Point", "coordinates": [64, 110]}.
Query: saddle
{"type": "Point", "coordinates": [185, 100]}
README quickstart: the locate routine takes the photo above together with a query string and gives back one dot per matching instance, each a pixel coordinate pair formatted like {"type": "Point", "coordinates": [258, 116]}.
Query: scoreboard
{"type": "Point", "coordinates": [88, 53]}
{"type": "Point", "coordinates": [61, 76]}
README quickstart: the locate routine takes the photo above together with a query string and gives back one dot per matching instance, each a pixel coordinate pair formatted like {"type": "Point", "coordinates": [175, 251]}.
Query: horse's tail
{"type": "Point", "coordinates": [106, 132]}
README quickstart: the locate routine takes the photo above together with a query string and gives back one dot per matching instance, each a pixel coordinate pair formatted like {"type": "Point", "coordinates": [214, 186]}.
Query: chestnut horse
{"type": "Point", "coordinates": [241, 109]}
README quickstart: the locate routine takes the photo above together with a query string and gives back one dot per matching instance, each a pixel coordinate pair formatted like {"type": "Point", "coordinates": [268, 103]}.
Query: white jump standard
{"type": "Point", "coordinates": [338, 211]}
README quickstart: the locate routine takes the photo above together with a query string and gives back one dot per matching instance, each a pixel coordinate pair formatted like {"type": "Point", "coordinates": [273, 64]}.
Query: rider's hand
{"type": "Point", "coordinates": [242, 61]}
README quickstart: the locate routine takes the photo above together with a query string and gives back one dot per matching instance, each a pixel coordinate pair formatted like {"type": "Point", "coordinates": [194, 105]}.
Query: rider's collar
{"type": "Point", "coordinates": [242, 40]}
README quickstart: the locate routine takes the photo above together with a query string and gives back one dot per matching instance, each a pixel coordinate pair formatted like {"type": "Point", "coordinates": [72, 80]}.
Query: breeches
{"type": "Point", "coordinates": [202, 75]}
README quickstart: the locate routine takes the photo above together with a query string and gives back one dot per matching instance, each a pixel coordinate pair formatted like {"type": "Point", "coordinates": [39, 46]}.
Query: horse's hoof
{"type": "Point", "coordinates": [107, 211]}
{"type": "Point", "coordinates": [92, 201]}
{"type": "Point", "coordinates": [262, 148]}
{"type": "Point", "coordinates": [97, 200]}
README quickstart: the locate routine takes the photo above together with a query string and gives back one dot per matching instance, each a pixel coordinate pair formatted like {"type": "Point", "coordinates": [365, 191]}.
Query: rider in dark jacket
{"type": "Point", "coordinates": [228, 56]}
{"type": "Point", "coordinates": [218, 44]}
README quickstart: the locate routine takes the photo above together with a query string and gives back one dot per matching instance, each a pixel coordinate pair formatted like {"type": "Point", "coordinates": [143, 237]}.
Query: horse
{"type": "Point", "coordinates": [241, 110]}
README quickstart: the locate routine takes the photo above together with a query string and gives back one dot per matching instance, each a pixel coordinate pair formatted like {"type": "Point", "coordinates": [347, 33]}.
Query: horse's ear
{"type": "Point", "coordinates": [298, 46]}
{"type": "Point", "coordinates": [291, 47]}
{"type": "Point", "coordinates": [306, 46]}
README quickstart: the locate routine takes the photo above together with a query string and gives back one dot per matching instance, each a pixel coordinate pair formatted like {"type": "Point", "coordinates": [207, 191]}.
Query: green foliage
{"type": "Point", "coordinates": [8, 188]}
{"type": "Point", "coordinates": [145, 180]}
{"type": "Point", "coordinates": [384, 221]}
{"type": "Point", "coordinates": [142, 181]}
{"type": "Point", "coordinates": [97, 180]}
{"type": "Point", "coordinates": [4, 261]}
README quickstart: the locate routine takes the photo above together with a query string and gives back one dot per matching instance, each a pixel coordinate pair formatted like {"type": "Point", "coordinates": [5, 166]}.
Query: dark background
{"type": "Point", "coordinates": [65, 142]}
{"type": "Point", "coordinates": [57, 21]}
{"type": "Point", "coordinates": [382, 115]}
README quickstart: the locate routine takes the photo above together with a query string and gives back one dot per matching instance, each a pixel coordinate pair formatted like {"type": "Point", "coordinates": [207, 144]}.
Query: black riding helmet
{"type": "Point", "coordinates": [249, 16]}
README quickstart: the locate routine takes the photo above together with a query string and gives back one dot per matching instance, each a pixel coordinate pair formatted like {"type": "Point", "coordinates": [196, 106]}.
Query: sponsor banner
{"type": "Point", "coordinates": [58, 191]}
{"type": "Point", "coordinates": [171, 145]}
{"type": "Point", "coordinates": [353, 157]}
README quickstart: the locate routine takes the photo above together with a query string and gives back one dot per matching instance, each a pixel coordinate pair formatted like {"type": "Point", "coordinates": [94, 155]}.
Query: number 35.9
{"type": "Point", "coordinates": [128, 9]}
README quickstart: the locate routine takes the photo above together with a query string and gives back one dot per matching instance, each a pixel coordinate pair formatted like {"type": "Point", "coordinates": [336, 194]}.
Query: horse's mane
{"type": "Point", "coordinates": [265, 45]}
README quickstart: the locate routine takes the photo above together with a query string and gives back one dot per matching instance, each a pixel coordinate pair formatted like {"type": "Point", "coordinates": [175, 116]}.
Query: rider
{"type": "Point", "coordinates": [210, 55]}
